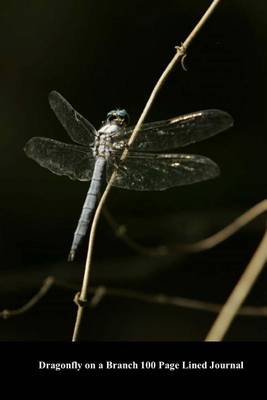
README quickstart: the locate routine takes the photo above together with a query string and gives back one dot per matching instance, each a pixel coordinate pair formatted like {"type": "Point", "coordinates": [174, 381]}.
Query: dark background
{"type": "Point", "coordinates": [106, 54]}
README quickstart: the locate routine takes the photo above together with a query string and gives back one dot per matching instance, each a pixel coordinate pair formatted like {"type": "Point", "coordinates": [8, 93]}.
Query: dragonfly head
{"type": "Point", "coordinates": [120, 117]}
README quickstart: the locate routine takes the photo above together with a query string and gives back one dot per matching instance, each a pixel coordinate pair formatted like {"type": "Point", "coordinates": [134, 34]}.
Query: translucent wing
{"type": "Point", "coordinates": [79, 129]}
{"type": "Point", "coordinates": [178, 132]}
{"type": "Point", "coordinates": [62, 159]}
{"type": "Point", "coordinates": [162, 171]}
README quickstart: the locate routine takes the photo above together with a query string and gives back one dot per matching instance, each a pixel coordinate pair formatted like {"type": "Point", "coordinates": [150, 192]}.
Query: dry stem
{"type": "Point", "coordinates": [47, 284]}
{"type": "Point", "coordinates": [240, 292]}
{"type": "Point", "coordinates": [180, 53]}
{"type": "Point", "coordinates": [201, 245]}
{"type": "Point", "coordinates": [100, 292]}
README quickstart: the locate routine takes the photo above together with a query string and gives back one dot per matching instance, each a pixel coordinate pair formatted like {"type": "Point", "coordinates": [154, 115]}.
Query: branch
{"type": "Point", "coordinates": [201, 245]}
{"type": "Point", "coordinates": [180, 53]}
{"type": "Point", "coordinates": [100, 292]}
{"type": "Point", "coordinates": [47, 284]}
{"type": "Point", "coordinates": [240, 292]}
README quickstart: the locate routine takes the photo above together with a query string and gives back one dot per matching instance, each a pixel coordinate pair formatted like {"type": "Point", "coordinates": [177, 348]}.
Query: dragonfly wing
{"type": "Point", "coordinates": [79, 129]}
{"type": "Point", "coordinates": [162, 171]}
{"type": "Point", "coordinates": [61, 158]}
{"type": "Point", "coordinates": [180, 131]}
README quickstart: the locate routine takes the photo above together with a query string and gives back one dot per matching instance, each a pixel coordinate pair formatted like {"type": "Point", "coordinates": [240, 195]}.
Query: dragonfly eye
{"type": "Point", "coordinates": [121, 116]}
{"type": "Point", "coordinates": [111, 116]}
{"type": "Point", "coordinates": [124, 116]}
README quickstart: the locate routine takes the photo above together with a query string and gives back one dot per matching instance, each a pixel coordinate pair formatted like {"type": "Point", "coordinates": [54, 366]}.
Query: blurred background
{"type": "Point", "coordinates": [105, 54]}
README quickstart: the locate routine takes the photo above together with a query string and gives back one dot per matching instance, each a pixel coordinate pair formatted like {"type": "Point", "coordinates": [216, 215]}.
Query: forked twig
{"type": "Point", "coordinates": [240, 292]}
{"type": "Point", "coordinates": [201, 245]}
{"type": "Point", "coordinates": [99, 292]}
{"type": "Point", "coordinates": [177, 301]}
{"type": "Point", "coordinates": [47, 284]}
{"type": "Point", "coordinates": [181, 51]}
{"type": "Point", "coordinates": [120, 230]}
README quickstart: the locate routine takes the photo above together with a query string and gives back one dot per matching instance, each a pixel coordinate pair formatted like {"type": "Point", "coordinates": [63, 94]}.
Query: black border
{"type": "Point", "coordinates": [24, 357]}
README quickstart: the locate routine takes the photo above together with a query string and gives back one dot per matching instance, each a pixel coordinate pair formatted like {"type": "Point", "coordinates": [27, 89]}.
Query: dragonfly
{"type": "Point", "coordinates": [147, 167]}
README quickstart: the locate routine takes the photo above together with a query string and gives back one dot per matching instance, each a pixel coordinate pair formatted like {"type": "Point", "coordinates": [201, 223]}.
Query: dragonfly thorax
{"type": "Point", "coordinates": [102, 145]}
{"type": "Point", "coordinates": [104, 139]}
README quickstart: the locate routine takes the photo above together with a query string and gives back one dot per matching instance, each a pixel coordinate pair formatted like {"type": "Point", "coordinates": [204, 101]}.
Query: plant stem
{"type": "Point", "coordinates": [201, 245]}
{"type": "Point", "coordinates": [180, 53]}
{"type": "Point", "coordinates": [239, 294]}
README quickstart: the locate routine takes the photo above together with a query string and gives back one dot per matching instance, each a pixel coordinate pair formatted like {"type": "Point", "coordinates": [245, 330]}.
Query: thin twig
{"type": "Point", "coordinates": [201, 245]}
{"type": "Point", "coordinates": [120, 231]}
{"type": "Point", "coordinates": [240, 292]}
{"type": "Point", "coordinates": [177, 301]}
{"type": "Point", "coordinates": [181, 51]}
{"type": "Point", "coordinates": [48, 282]}
{"type": "Point", "coordinates": [99, 292]}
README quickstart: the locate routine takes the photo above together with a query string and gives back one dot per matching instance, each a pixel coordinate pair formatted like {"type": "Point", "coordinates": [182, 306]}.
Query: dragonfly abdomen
{"type": "Point", "coordinates": [89, 206]}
